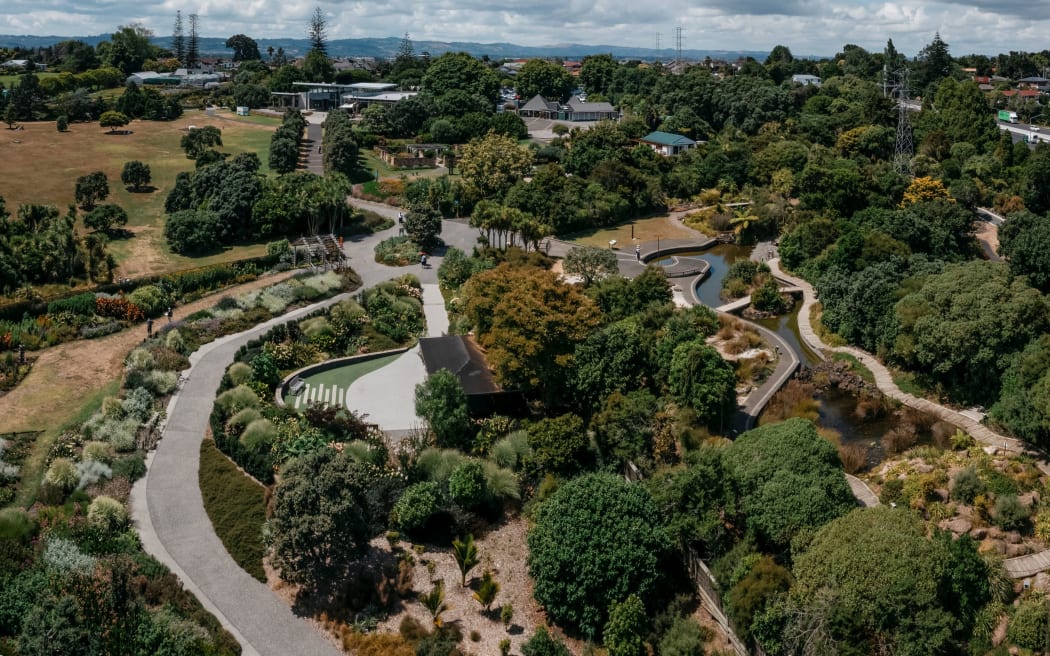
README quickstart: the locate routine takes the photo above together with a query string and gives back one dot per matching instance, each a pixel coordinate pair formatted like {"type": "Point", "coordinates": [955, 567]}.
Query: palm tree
{"type": "Point", "coordinates": [466, 555]}
{"type": "Point", "coordinates": [487, 590]}
{"type": "Point", "coordinates": [434, 601]}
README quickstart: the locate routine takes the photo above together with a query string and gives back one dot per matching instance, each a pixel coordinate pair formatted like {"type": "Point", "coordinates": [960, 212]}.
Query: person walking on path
{"type": "Point", "coordinates": [638, 252]}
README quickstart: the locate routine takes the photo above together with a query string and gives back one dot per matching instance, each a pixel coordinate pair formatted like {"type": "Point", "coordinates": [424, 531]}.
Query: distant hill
{"type": "Point", "coordinates": [387, 48]}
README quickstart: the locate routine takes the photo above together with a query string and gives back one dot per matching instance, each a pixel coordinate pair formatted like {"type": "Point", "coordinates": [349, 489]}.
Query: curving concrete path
{"type": "Point", "coordinates": [167, 506]}
{"type": "Point", "coordinates": [168, 511]}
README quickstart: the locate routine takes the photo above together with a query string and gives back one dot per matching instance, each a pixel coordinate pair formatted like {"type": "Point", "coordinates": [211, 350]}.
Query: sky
{"type": "Point", "coordinates": [807, 27]}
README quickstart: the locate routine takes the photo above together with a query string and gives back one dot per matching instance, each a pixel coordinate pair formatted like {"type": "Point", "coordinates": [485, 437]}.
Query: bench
{"type": "Point", "coordinates": [296, 385]}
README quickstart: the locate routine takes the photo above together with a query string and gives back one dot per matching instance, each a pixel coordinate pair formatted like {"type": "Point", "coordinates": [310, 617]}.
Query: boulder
{"type": "Point", "coordinates": [957, 525]}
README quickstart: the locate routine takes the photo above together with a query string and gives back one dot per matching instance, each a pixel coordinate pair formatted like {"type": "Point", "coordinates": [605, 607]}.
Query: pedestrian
{"type": "Point", "coordinates": [638, 252]}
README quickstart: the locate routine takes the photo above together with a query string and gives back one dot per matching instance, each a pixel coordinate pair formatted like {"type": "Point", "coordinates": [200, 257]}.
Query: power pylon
{"type": "Point", "coordinates": [904, 148]}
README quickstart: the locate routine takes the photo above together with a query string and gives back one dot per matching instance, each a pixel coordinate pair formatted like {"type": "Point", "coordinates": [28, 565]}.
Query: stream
{"type": "Point", "coordinates": [836, 407]}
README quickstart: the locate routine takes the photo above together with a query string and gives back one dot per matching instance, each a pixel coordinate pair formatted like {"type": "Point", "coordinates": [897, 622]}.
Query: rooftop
{"type": "Point", "coordinates": [461, 356]}
{"type": "Point", "coordinates": [667, 139]}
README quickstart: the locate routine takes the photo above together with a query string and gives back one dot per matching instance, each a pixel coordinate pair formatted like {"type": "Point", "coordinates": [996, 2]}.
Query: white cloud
{"type": "Point", "coordinates": [819, 27]}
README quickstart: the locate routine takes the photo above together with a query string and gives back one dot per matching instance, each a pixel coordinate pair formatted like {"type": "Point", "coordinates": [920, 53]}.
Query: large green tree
{"type": "Point", "coordinates": [962, 326]}
{"type": "Point", "coordinates": [1023, 240]}
{"type": "Point", "coordinates": [530, 322]}
{"type": "Point", "coordinates": [91, 189]}
{"type": "Point", "coordinates": [872, 580]}
{"type": "Point", "coordinates": [701, 380]}
{"type": "Point", "coordinates": [596, 541]}
{"type": "Point", "coordinates": [459, 71]}
{"type": "Point", "coordinates": [320, 523]}
{"type": "Point", "coordinates": [547, 79]}
{"type": "Point", "coordinates": [787, 479]}
{"type": "Point", "coordinates": [440, 400]}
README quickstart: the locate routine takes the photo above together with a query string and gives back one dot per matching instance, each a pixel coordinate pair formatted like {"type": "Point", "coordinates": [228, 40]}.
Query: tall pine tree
{"type": "Point", "coordinates": [178, 39]}
{"type": "Point", "coordinates": [318, 32]}
{"type": "Point", "coordinates": [193, 53]}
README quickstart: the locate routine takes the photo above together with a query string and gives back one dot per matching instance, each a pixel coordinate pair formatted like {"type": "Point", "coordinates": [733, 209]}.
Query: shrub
{"type": "Point", "coordinates": [62, 474]}
{"type": "Point", "coordinates": [236, 506]}
{"type": "Point", "coordinates": [91, 472]}
{"type": "Point", "coordinates": [235, 399]}
{"type": "Point", "coordinates": [81, 304]}
{"type": "Point", "coordinates": [107, 514]}
{"type": "Point", "coordinates": [543, 643]}
{"type": "Point", "coordinates": [174, 341]}
{"type": "Point", "coordinates": [150, 299]}
{"type": "Point", "coordinates": [511, 450]}
{"type": "Point", "coordinates": [1028, 626]}
{"type": "Point", "coordinates": [258, 435]}
{"type": "Point", "coordinates": [627, 627]}
{"type": "Point", "coordinates": [235, 425]}
{"type": "Point", "coordinates": [131, 467]}
{"type": "Point", "coordinates": [161, 383]}
{"type": "Point", "coordinates": [966, 485]}
{"type": "Point", "coordinates": [417, 505]}
{"type": "Point", "coordinates": [118, 308]}
{"type": "Point", "coordinates": [240, 373]}
{"type": "Point", "coordinates": [466, 485]}
{"type": "Point", "coordinates": [64, 556]}
{"type": "Point", "coordinates": [1011, 514]}
{"type": "Point", "coordinates": [99, 452]}
{"type": "Point", "coordinates": [138, 404]}
{"type": "Point", "coordinates": [684, 638]}
{"type": "Point", "coordinates": [139, 360]}
{"type": "Point", "coordinates": [101, 330]}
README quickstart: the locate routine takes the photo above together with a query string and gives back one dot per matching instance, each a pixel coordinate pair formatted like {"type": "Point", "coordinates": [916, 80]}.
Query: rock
{"type": "Point", "coordinates": [994, 533]}
{"type": "Point", "coordinates": [922, 468]}
{"type": "Point", "coordinates": [1041, 582]}
{"type": "Point", "coordinates": [979, 533]}
{"type": "Point", "coordinates": [1030, 499]}
{"type": "Point", "coordinates": [942, 493]}
{"type": "Point", "coordinates": [1015, 550]}
{"type": "Point", "coordinates": [989, 545]}
{"type": "Point", "coordinates": [1013, 537]}
{"type": "Point", "coordinates": [958, 525]}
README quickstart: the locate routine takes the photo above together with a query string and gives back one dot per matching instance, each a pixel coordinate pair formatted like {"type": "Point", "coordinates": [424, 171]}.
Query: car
{"type": "Point", "coordinates": [1033, 128]}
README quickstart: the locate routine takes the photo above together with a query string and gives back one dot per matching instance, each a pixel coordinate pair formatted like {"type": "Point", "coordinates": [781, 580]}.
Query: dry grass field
{"type": "Point", "coordinates": [40, 165]}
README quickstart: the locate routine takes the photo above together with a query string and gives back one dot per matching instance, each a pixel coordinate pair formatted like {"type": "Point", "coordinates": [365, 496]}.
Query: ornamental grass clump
{"type": "Point", "coordinates": [107, 514]}
{"type": "Point", "coordinates": [62, 474]}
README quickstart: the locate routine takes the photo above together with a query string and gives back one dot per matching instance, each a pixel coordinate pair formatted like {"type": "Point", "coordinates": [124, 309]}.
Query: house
{"type": "Point", "coordinates": [574, 110]}
{"type": "Point", "coordinates": [1036, 82]}
{"type": "Point", "coordinates": [539, 107]}
{"type": "Point", "coordinates": [805, 80]}
{"type": "Point", "coordinates": [461, 356]}
{"type": "Point", "coordinates": [580, 110]}
{"type": "Point", "coordinates": [1022, 93]}
{"type": "Point", "coordinates": [667, 144]}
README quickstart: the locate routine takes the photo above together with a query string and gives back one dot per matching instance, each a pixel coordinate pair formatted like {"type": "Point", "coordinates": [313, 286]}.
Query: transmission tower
{"type": "Point", "coordinates": [904, 149]}
{"type": "Point", "coordinates": [678, 49]}
{"type": "Point", "coordinates": [658, 46]}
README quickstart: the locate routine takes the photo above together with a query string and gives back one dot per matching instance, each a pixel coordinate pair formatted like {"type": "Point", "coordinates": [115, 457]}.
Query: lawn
{"type": "Point", "coordinates": [32, 471]}
{"type": "Point", "coordinates": [650, 229]}
{"type": "Point", "coordinates": [371, 164]}
{"type": "Point", "coordinates": [40, 165]}
{"type": "Point", "coordinates": [236, 506]}
{"type": "Point", "coordinates": [9, 80]}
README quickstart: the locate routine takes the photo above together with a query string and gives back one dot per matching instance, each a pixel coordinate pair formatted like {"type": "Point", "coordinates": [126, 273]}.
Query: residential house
{"type": "Point", "coordinates": [667, 144]}
{"type": "Point", "coordinates": [574, 111]}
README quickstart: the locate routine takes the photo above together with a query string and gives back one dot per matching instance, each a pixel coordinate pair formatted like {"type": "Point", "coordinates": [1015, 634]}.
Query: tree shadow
{"type": "Point", "coordinates": [375, 584]}
{"type": "Point", "coordinates": [145, 189]}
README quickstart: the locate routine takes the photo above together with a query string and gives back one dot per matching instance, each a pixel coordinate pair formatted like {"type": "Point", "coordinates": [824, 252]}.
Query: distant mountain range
{"type": "Point", "coordinates": [387, 48]}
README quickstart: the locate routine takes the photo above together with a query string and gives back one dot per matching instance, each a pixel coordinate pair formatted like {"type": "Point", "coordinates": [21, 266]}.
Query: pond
{"type": "Point", "coordinates": [837, 408]}
{"type": "Point", "coordinates": [719, 257]}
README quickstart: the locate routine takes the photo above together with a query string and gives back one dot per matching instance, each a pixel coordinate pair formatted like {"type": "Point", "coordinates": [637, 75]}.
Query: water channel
{"type": "Point", "coordinates": [837, 408]}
